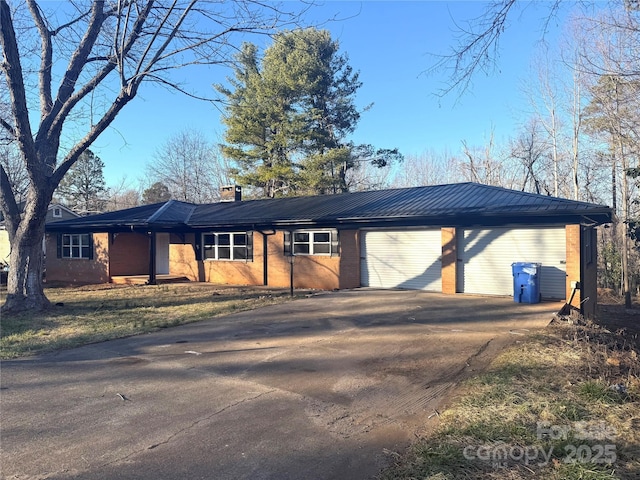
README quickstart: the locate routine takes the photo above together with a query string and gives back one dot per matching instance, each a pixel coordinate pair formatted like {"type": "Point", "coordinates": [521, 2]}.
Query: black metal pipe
{"type": "Point", "coordinates": [152, 259]}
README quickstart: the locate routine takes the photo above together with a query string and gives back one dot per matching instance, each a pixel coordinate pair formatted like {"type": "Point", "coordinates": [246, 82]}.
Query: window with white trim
{"type": "Point", "coordinates": [227, 246]}
{"type": "Point", "coordinates": [311, 242]}
{"type": "Point", "coordinates": [57, 212]}
{"type": "Point", "coordinates": [76, 245]}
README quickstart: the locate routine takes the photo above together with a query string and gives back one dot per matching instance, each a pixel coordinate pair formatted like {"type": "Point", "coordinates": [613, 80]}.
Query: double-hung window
{"type": "Point", "coordinates": [74, 245]}
{"type": "Point", "coordinates": [227, 246]}
{"type": "Point", "coordinates": [311, 242]}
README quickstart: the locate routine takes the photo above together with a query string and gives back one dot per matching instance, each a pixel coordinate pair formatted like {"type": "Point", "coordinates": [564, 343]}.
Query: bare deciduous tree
{"type": "Point", "coordinates": [530, 151]}
{"type": "Point", "coordinates": [122, 195]}
{"type": "Point", "coordinates": [92, 59]}
{"type": "Point", "coordinates": [191, 167]}
{"type": "Point", "coordinates": [482, 164]}
{"type": "Point", "coordinates": [477, 46]}
{"type": "Point", "coordinates": [365, 176]}
{"type": "Point", "coordinates": [614, 110]}
{"type": "Point", "coordinates": [17, 175]}
{"type": "Point", "coordinates": [428, 168]}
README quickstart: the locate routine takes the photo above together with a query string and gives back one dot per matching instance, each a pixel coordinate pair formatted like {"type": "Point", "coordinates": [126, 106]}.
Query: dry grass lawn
{"type": "Point", "coordinates": [81, 315]}
{"type": "Point", "coordinates": [560, 405]}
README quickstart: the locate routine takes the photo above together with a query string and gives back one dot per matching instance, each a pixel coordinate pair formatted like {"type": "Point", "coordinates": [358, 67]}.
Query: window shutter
{"type": "Point", "coordinates": [90, 246]}
{"type": "Point", "coordinates": [287, 244]}
{"type": "Point", "coordinates": [197, 245]}
{"type": "Point", "coordinates": [335, 243]}
{"type": "Point", "coordinates": [249, 246]}
{"type": "Point", "coordinates": [59, 245]}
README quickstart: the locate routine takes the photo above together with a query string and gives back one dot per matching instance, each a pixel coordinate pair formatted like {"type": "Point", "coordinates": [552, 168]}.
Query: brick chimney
{"type": "Point", "coordinates": [231, 193]}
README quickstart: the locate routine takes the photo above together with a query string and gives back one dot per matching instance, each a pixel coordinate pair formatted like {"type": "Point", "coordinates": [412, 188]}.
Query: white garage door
{"type": "Point", "coordinates": [485, 257]}
{"type": "Point", "coordinates": [401, 259]}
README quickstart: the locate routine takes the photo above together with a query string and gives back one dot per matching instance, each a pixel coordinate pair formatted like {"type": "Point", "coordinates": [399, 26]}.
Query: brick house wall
{"type": "Point", "coordinates": [589, 260]}
{"type": "Point", "coordinates": [313, 271]}
{"type": "Point", "coordinates": [78, 270]}
{"type": "Point", "coordinates": [182, 257]}
{"type": "Point", "coordinates": [182, 262]}
{"type": "Point", "coordinates": [237, 272]}
{"type": "Point", "coordinates": [128, 254]}
{"type": "Point", "coordinates": [449, 260]}
{"type": "Point", "coordinates": [582, 267]}
{"type": "Point", "coordinates": [349, 276]}
{"type": "Point", "coordinates": [573, 262]}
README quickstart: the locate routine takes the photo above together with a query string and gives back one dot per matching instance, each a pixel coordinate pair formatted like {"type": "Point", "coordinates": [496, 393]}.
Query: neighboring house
{"type": "Point", "coordinates": [55, 213]}
{"type": "Point", "coordinates": [459, 238]}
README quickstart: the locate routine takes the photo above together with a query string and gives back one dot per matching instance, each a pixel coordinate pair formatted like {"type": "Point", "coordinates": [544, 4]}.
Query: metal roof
{"type": "Point", "coordinates": [452, 205]}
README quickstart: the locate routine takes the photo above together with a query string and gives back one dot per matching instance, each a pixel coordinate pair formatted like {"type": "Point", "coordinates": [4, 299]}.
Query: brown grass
{"type": "Point", "coordinates": [580, 377]}
{"type": "Point", "coordinates": [81, 315]}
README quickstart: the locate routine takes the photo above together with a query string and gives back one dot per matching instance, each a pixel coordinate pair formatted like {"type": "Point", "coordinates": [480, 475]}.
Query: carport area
{"type": "Point", "coordinates": [320, 388]}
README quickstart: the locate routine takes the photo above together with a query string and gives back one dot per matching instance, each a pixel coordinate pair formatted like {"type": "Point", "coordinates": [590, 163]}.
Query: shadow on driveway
{"type": "Point", "coordinates": [317, 388]}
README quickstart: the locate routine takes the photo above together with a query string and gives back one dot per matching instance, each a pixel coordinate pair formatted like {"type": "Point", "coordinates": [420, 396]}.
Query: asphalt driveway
{"type": "Point", "coordinates": [321, 388]}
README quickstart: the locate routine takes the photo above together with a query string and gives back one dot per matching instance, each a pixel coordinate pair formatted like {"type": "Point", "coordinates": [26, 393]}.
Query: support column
{"type": "Point", "coordinates": [574, 270]}
{"type": "Point", "coordinates": [152, 259]}
{"type": "Point", "coordinates": [265, 261]}
{"type": "Point", "coordinates": [449, 260]}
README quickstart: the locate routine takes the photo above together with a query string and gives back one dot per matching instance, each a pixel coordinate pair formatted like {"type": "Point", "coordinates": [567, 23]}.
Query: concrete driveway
{"type": "Point", "coordinates": [321, 388]}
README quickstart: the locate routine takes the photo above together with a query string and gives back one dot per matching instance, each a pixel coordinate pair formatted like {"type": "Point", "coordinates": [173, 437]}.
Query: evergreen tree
{"type": "Point", "coordinates": [289, 115]}
{"type": "Point", "coordinates": [256, 118]}
{"type": "Point", "coordinates": [83, 186]}
{"type": "Point", "coordinates": [156, 193]}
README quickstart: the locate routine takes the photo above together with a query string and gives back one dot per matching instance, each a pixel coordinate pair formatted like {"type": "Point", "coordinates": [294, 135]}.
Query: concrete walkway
{"type": "Point", "coordinates": [320, 388]}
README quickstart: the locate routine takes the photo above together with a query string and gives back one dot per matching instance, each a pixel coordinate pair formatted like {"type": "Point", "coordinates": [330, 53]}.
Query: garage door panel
{"type": "Point", "coordinates": [486, 256]}
{"type": "Point", "coordinates": [401, 259]}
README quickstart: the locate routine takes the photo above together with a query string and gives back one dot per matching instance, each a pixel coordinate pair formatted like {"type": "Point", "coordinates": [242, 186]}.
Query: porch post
{"type": "Point", "coordinates": [152, 259]}
{"type": "Point", "coordinates": [265, 261]}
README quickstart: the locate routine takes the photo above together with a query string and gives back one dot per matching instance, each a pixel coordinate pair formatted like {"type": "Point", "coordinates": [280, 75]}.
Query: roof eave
{"type": "Point", "coordinates": [591, 218]}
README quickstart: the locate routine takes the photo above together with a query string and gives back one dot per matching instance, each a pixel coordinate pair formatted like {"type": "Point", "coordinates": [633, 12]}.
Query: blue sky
{"type": "Point", "coordinates": [392, 45]}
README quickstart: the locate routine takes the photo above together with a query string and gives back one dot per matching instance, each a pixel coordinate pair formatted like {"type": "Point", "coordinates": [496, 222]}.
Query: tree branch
{"type": "Point", "coordinates": [176, 28]}
{"type": "Point", "coordinates": [13, 74]}
{"type": "Point", "coordinates": [97, 79]}
{"type": "Point", "coordinates": [8, 204]}
{"type": "Point", "coordinates": [46, 56]}
{"type": "Point", "coordinates": [7, 126]}
{"type": "Point", "coordinates": [50, 128]}
{"type": "Point", "coordinates": [476, 50]}
{"type": "Point", "coordinates": [124, 97]}
{"type": "Point", "coordinates": [478, 45]}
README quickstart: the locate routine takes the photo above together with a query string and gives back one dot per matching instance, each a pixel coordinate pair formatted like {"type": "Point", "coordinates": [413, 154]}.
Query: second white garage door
{"type": "Point", "coordinates": [408, 259]}
{"type": "Point", "coordinates": [485, 257]}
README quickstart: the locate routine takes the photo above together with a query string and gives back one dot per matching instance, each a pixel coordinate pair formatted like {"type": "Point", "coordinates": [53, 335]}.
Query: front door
{"type": "Point", "coordinates": [162, 253]}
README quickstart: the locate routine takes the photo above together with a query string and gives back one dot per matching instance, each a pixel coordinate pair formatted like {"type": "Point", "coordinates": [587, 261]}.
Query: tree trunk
{"type": "Point", "coordinates": [626, 283]}
{"type": "Point", "coordinates": [26, 266]}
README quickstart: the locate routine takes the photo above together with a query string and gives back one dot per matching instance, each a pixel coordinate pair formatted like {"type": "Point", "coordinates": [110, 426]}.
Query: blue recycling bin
{"type": "Point", "coordinates": [526, 282]}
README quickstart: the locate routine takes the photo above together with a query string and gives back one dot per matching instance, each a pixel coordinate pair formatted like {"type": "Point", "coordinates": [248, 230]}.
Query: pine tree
{"type": "Point", "coordinates": [256, 122]}
{"type": "Point", "coordinates": [156, 193]}
{"type": "Point", "coordinates": [83, 186]}
{"type": "Point", "coordinates": [289, 115]}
